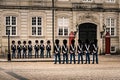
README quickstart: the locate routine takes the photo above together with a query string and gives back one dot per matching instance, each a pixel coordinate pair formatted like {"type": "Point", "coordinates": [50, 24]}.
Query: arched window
{"type": "Point", "coordinates": [11, 23]}
{"type": "Point", "coordinates": [63, 24]}
{"type": "Point", "coordinates": [111, 26]}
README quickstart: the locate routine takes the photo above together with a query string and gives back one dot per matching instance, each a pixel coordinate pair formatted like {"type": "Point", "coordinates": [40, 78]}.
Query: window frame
{"type": "Point", "coordinates": [11, 25]}
{"type": "Point", "coordinates": [65, 25]}
{"type": "Point", "coordinates": [114, 50]}
{"type": "Point", "coordinates": [110, 26]}
{"type": "Point", "coordinates": [87, 0]}
{"type": "Point", "coordinates": [110, 1]}
{"type": "Point", "coordinates": [36, 26]}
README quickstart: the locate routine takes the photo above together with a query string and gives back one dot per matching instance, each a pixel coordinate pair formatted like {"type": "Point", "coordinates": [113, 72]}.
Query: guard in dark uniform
{"type": "Point", "coordinates": [57, 50]}
{"type": "Point", "coordinates": [24, 49]}
{"type": "Point", "coordinates": [80, 51]}
{"type": "Point", "coordinates": [65, 51]}
{"type": "Point", "coordinates": [36, 47]}
{"type": "Point", "coordinates": [13, 48]}
{"type": "Point", "coordinates": [29, 49]}
{"type": "Point", "coordinates": [95, 51]}
{"type": "Point", "coordinates": [42, 47]}
{"type": "Point", "coordinates": [19, 49]}
{"type": "Point", "coordinates": [48, 48]}
{"type": "Point", "coordinates": [87, 51]}
{"type": "Point", "coordinates": [72, 51]}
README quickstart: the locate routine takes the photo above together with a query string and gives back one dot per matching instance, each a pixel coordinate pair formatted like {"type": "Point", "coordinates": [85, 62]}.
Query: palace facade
{"type": "Point", "coordinates": [33, 20]}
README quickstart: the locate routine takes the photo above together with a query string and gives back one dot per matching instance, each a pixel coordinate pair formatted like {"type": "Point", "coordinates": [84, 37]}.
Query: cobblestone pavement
{"type": "Point", "coordinates": [107, 69]}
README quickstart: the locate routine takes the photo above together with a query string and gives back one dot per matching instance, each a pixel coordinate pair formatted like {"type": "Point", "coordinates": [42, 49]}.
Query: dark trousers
{"type": "Point", "coordinates": [65, 58]}
{"type": "Point", "coordinates": [24, 54]}
{"type": "Point", "coordinates": [29, 54]}
{"type": "Point", "coordinates": [87, 58]}
{"type": "Point", "coordinates": [48, 54]}
{"type": "Point", "coordinates": [36, 54]}
{"type": "Point", "coordinates": [41, 54]}
{"type": "Point", "coordinates": [13, 54]}
{"type": "Point", "coordinates": [95, 56]}
{"type": "Point", "coordinates": [80, 56]}
{"type": "Point", "coordinates": [19, 54]}
{"type": "Point", "coordinates": [72, 55]}
{"type": "Point", "coordinates": [59, 59]}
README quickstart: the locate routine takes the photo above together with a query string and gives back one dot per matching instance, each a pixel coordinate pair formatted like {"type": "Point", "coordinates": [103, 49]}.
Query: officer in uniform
{"type": "Point", "coordinates": [36, 47]}
{"type": "Point", "coordinates": [29, 49]}
{"type": "Point", "coordinates": [65, 51]}
{"type": "Point", "coordinates": [80, 51]}
{"type": "Point", "coordinates": [95, 51]}
{"type": "Point", "coordinates": [72, 51]}
{"type": "Point", "coordinates": [42, 49]}
{"type": "Point", "coordinates": [19, 49]}
{"type": "Point", "coordinates": [48, 48]}
{"type": "Point", "coordinates": [24, 49]}
{"type": "Point", "coordinates": [13, 48]}
{"type": "Point", "coordinates": [87, 51]}
{"type": "Point", "coordinates": [57, 50]}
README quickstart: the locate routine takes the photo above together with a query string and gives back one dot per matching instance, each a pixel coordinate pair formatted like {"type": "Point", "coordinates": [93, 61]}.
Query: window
{"type": "Point", "coordinates": [87, 0]}
{"type": "Point", "coordinates": [113, 49]}
{"type": "Point", "coordinates": [11, 23]}
{"type": "Point", "coordinates": [36, 26]}
{"type": "Point", "coordinates": [110, 1]}
{"type": "Point", "coordinates": [111, 26]}
{"type": "Point", "coordinates": [63, 24]}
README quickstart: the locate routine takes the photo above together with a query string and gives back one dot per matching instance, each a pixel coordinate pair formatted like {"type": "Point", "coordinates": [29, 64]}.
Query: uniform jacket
{"type": "Point", "coordinates": [64, 49]}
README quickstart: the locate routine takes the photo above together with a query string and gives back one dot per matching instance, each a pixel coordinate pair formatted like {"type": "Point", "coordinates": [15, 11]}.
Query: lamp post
{"type": "Point", "coordinates": [9, 55]}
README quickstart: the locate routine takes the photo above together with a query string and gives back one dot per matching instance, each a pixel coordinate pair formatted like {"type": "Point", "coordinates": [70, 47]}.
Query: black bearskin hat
{"type": "Point", "coordinates": [36, 41]}
{"type": "Point", "coordinates": [29, 42]}
{"type": "Point", "coordinates": [57, 41]}
{"type": "Point", "coordinates": [64, 41]}
{"type": "Point", "coordinates": [48, 41]}
{"type": "Point", "coordinates": [73, 41]}
{"type": "Point", "coordinates": [79, 41]}
{"type": "Point", "coordinates": [24, 42]}
{"type": "Point", "coordinates": [87, 41]}
{"type": "Point", "coordinates": [41, 41]}
{"type": "Point", "coordinates": [95, 41]}
{"type": "Point", "coordinates": [13, 41]}
{"type": "Point", "coordinates": [19, 42]}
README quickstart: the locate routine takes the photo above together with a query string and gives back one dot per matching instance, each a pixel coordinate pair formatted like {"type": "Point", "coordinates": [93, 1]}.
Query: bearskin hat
{"type": "Point", "coordinates": [19, 42]}
{"type": "Point", "coordinates": [24, 42]}
{"type": "Point", "coordinates": [48, 41]}
{"type": "Point", "coordinates": [57, 41]}
{"type": "Point", "coordinates": [13, 41]}
{"type": "Point", "coordinates": [29, 42]}
{"type": "Point", "coordinates": [79, 41]}
{"type": "Point", "coordinates": [87, 41]}
{"type": "Point", "coordinates": [64, 41]}
{"type": "Point", "coordinates": [41, 41]}
{"type": "Point", "coordinates": [36, 41]}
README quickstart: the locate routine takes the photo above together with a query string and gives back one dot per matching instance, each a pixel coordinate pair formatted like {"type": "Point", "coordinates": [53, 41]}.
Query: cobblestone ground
{"type": "Point", "coordinates": [107, 69]}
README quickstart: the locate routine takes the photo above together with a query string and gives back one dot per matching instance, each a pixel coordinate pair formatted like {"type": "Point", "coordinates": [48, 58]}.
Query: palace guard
{"type": "Point", "coordinates": [72, 51]}
{"type": "Point", "coordinates": [29, 49]}
{"type": "Point", "coordinates": [87, 51]}
{"type": "Point", "coordinates": [19, 49]}
{"type": "Point", "coordinates": [95, 51]}
{"type": "Point", "coordinates": [48, 48]}
{"type": "Point", "coordinates": [36, 47]}
{"type": "Point", "coordinates": [80, 51]}
{"type": "Point", "coordinates": [13, 48]}
{"type": "Point", "coordinates": [24, 49]}
{"type": "Point", "coordinates": [57, 50]}
{"type": "Point", "coordinates": [42, 47]}
{"type": "Point", "coordinates": [65, 51]}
